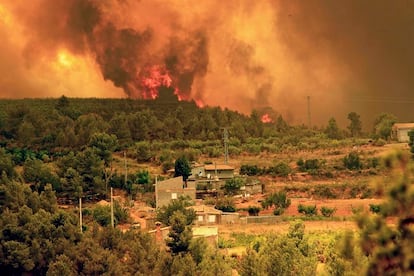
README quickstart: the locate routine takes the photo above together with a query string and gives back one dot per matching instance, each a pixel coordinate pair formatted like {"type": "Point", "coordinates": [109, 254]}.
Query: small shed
{"type": "Point", "coordinates": [400, 131]}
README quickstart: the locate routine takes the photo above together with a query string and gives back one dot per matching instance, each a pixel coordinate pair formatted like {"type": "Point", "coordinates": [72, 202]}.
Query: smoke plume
{"type": "Point", "coordinates": [346, 55]}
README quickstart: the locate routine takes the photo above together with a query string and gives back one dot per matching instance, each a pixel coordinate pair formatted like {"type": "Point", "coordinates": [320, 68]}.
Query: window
{"type": "Point", "coordinates": [200, 218]}
{"type": "Point", "coordinates": [211, 218]}
{"type": "Point", "coordinates": [173, 195]}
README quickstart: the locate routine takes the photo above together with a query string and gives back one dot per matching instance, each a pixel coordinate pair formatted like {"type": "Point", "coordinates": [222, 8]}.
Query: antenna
{"type": "Point", "coordinates": [309, 112]}
{"type": "Point", "coordinates": [226, 146]}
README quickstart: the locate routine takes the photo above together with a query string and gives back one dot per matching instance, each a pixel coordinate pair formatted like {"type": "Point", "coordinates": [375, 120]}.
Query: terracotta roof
{"type": "Point", "coordinates": [218, 167]}
{"type": "Point", "coordinates": [403, 125]}
{"type": "Point", "coordinates": [205, 209]}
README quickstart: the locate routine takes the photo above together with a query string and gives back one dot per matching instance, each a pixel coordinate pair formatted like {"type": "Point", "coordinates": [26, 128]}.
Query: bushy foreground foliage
{"type": "Point", "coordinates": [288, 254]}
{"type": "Point", "coordinates": [38, 238]}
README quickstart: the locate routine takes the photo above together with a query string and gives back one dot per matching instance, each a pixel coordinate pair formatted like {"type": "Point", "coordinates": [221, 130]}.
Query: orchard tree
{"type": "Point", "coordinates": [232, 186]}
{"type": "Point", "coordinates": [355, 125]}
{"type": "Point", "coordinates": [332, 130]}
{"type": "Point", "coordinates": [383, 125]}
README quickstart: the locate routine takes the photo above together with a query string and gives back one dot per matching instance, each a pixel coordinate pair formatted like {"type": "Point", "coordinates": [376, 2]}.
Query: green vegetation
{"type": "Point", "coordinates": [411, 141]}
{"type": "Point", "coordinates": [60, 150]}
{"type": "Point", "coordinates": [308, 210]}
{"type": "Point", "coordinates": [279, 200]}
{"type": "Point", "coordinates": [232, 186]}
{"type": "Point", "coordinates": [225, 204]}
{"type": "Point", "coordinates": [327, 212]}
{"type": "Point", "coordinates": [352, 161]}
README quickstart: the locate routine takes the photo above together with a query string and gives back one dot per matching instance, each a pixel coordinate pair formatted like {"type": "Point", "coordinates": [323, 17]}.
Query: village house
{"type": "Point", "coordinates": [206, 215]}
{"type": "Point", "coordinates": [211, 177]}
{"type": "Point", "coordinates": [173, 188]}
{"type": "Point", "coordinates": [400, 131]}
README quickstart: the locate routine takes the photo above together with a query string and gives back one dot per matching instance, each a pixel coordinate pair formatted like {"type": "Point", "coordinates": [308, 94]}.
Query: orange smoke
{"type": "Point", "coordinates": [242, 55]}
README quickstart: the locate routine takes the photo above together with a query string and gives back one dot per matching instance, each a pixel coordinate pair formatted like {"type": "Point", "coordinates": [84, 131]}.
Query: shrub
{"type": "Point", "coordinates": [225, 204]}
{"type": "Point", "coordinates": [352, 161]}
{"type": "Point", "coordinates": [379, 142]}
{"type": "Point", "coordinates": [375, 208]}
{"type": "Point", "coordinates": [356, 210]}
{"type": "Point", "coordinates": [253, 210]}
{"type": "Point", "coordinates": [327, 212]}
{"type": "Point", "coordinates": [278, 211]}
{"type": "Point", "coordinates": [250, 170]}
{"type": "Point", "coordinates": [279, 200]}
{"type": "Point", "coordinates": [309, 210]}
{"type": "Point", "coordinates": [280, 169]}
{"type": "Point", "coordinates": [324, 191]}
{"type": "Point", "coordinates": [311, 165]}
{"type": "Point", "coordinates": [143, 151]}
{"type": "Point", "coordinates": [233, 185]}
{"type": "Point", "coordinates": [102, 214]}
{"type": "Point", "coordinates": [373, 162]}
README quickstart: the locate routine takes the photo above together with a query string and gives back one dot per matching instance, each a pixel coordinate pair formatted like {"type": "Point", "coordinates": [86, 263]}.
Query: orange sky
{"type": "Point", "coordinates": [346, 55]}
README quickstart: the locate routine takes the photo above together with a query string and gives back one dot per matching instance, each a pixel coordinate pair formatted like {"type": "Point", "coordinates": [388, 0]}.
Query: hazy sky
{"type": "Point", "coordinates": [346, 55]}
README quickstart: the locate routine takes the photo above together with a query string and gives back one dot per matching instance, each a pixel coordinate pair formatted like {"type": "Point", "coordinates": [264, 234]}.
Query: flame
{"type": "Point", "coordinates": [152, 79]}
{"type": "Point", "coordinates": [266, 118]}
{"type": "Point", "coordinates": [65, 59]}
{"type": "Point", "coordinates": [199, 103]}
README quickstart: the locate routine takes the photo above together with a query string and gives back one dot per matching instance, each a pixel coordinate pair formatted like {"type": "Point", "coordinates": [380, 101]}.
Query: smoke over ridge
{"type": "Point", "coordinates": [346, 55]}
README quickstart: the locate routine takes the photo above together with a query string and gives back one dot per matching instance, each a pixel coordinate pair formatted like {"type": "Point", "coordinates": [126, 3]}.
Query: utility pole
{"type": "Point", "coordinates": [226, 146]}
{"type": "Point", "coordinates": [309, 112]}
{"type": "Point", "coordinates": [156, 191]}
{"type": "Point", "coordinates": [126, 169]}
{"type": "Point", "coordinates": [112, 210]}
{"type": "Point", "coordinates": [80, 213]}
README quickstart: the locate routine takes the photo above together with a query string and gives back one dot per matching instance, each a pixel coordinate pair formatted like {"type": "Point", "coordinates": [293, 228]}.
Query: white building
{"type": "Point", "coordinates": [400, 131]}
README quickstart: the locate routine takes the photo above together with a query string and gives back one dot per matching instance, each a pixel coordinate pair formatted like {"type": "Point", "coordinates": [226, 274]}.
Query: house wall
{"type": "Point", "coordinates": [206, 219]}
{"type": "Point", "coordinates": [230, 218]}
{"type": "Point", "coordinates": [173, 189]}
{"type": "Point", "coordinates": [165, 196]}
{"type": "Point", "coordinates": [402, 135]}
{"type": "Point", "coordinates": [220, 173]}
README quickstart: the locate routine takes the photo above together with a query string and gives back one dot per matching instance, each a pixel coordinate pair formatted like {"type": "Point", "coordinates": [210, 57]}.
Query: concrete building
{"type": "Point", "coordinates": [212, 171]}
{"type": "Point", "coordinates": [400, 131]}
{"type": "Point", "coordinates": [173, 188]}
{"type": "Point", "coordinates": [206, 215]}
{"type": "Point", "coordinates": [219, 171]}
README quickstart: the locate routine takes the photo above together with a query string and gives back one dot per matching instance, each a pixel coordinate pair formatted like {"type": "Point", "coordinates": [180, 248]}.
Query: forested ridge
{"type": "Point", "coordinates": [53, 149]}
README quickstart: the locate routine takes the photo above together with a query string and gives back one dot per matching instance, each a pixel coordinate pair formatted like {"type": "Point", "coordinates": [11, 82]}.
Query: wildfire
{"type": "Point", "coordinates": [65, 59]}
{"type": "Point", "coordinates": [199, 103]}
{"type": "Point", "coordinates": [266, 118]}
{"type": "Point", "coordinates": [152, 79]}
